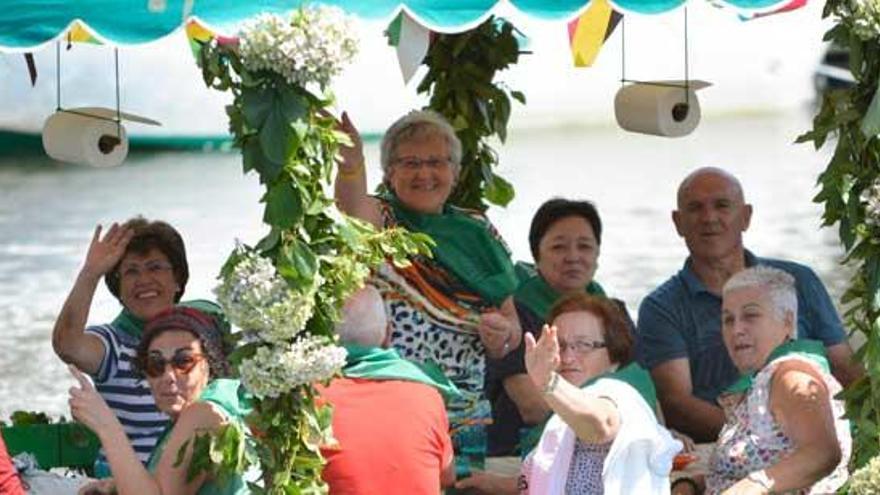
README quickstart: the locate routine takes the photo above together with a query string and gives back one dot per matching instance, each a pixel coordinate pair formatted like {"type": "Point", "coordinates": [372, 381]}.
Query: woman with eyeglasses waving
{"type": "Point", "coordinates": [565, 238]}
{"type": "Point", "coordinates": [144, 266]}
{"type": "Point", "coordinates": [183, 359]}
{"type": "Point", "coordinates": [603, 437]}
{"type": "Point", "coordinates": [454, 308]}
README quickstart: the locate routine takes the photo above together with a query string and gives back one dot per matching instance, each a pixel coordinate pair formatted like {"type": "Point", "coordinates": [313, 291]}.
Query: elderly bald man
{"type": "Point", "coordinates": [679, 325]}
{"type": "Point", "coordinates": [389, 417]}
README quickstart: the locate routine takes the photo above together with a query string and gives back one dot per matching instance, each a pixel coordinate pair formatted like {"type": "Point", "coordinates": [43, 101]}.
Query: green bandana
{"type": "Point", "coordinates": [538, 296]}
{"type": "Point", "coordinates": [133, 326]}
{"type": "Point", "coordinates": [631, 374]}
{"type": "Point", "coordinates": [129, 324]}
{"type": "Point", "coordinates": [464, 246]}
{"type": "Point", "coordinates": [809, 349]}
{"type": "Point", "coordinates": [376, 363]}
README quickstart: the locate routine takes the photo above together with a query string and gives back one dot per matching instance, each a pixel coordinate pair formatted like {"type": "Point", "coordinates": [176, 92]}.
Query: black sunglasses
{"type": "Point", "coordinates": [182, 362]}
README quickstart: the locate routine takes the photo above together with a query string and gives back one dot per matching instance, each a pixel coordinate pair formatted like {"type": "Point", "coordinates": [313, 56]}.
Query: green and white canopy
{"type": "Point", "coordinates": [26, 24]}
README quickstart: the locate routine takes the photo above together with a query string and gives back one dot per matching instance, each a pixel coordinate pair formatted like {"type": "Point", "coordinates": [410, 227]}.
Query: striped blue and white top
{"type": "Point", "coordinates": [126, 392]}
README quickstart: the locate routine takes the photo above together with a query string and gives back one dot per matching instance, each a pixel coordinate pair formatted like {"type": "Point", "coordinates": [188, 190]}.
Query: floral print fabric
{"type": "Point", "coordinates": [751, 439]}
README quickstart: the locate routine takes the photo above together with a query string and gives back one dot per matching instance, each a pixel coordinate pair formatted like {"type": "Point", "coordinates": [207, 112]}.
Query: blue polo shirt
{"type": "Point", "coordinates": [682, 319]}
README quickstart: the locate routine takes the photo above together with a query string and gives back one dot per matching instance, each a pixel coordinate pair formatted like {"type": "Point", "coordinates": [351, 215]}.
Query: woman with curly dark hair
{"type": "Point", "coordinates": [143, 264]}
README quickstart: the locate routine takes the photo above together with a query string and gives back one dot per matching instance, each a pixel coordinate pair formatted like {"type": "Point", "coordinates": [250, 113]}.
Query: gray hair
{"type": "Point", "coordinates": [780, 287]}
{"type": "Point", "coordinates": [363, 319]}
{"type": "Point", "coordinates": [419, 124]}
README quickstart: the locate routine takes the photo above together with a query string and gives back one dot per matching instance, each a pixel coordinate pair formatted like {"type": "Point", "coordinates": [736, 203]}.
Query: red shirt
{"type": "Point", "coordinates": [392, 434]}
{"type": "Point", "coordinates": [9, 482]}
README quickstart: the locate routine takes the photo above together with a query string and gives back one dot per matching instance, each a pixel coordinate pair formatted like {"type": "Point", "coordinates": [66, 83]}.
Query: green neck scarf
{"type": "Point", "coordinates": [376, 363]}
{"type": "Point", "coordinates": [632, 374]}
{"type": "Point", "coordinates": [805, 348]}
{"type": "Point", "coordinates": [537, 295]}
{"type": "Point", "coordinates": [465, 246]}
{"type": "Point", "coordinates": [129, 324]}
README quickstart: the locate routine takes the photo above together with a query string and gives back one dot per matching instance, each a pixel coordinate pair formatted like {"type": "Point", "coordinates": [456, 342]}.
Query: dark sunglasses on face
{"type": "Point", "coordinates": [182, 362]}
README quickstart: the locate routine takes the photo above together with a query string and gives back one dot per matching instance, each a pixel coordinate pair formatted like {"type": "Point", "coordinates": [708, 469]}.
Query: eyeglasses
{"type": "Point", "coordinates": [412, 163]}
{"type": "Point", "coordinates": [581, 347]}
{"type": "Point", "coordinates": [182, 362]}
{"type": "Point", "coordinates": [153, 267]}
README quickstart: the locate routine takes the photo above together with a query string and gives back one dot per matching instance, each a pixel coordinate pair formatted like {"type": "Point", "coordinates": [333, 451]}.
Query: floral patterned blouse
{"type": "Point", "coordinates": [751, 439]}
{"type": "Point", "coordinates": [584, 472]}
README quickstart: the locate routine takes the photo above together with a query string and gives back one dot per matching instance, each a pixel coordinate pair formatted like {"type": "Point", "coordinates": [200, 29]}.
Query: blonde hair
{"type": "Point", "coordinates": [419, 124]}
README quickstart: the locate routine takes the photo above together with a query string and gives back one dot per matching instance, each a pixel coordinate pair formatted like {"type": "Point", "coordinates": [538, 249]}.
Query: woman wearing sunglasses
{"type": "Point", "coordinates": [182, 356]}
{"type": "Point", "coordinates": [604, 436]}
{"type": "Point", "coordinates": [143, 264]}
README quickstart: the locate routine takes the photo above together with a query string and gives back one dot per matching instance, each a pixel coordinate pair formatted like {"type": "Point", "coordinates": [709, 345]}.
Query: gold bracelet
{"type": "Point", "coordinates": [551, 385]}
{"type": "Point", "coordinates": [350, 174]}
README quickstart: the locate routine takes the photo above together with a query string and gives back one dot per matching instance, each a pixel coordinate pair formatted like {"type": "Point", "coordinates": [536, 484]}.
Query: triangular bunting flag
{"type": "Point", "coordinates": [412, 41]}
{"type": "Point", "coordinates": [587, 33]}
{"type": "Point", "coordinates": [79, 34]}
{"type": "Point", "coordinates": [197, 34]}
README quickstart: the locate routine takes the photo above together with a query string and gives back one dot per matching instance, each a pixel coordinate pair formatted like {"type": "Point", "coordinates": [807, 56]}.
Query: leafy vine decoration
{"type": "Point", "coordinates": [850, 193]}
{"type": "Point", "coordinates": [285, 292]}
{"type": "Point", "coordinates": [461, 70]}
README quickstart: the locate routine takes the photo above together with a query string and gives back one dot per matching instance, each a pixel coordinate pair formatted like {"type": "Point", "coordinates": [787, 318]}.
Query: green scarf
{"type": "Point", "coordinates": [806, 348]}
{"type": "Point", "coordinates": [129, 324]}
{"type": "Point", "coordinates": [465, 246]}
{"type": "Point", "coordinates": [133, 326]}
{"type": "Point", "coordinates": [538, 296]}
{"type": "Point", "coordinates": [632, 374]}
{"type": "Point", "coordinates": [376, 363]}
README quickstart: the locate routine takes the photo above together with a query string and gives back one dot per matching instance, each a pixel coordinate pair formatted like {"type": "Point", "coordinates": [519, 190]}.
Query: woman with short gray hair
{"type": "Point", "coordinates": [785, 432]}
{"type": "Point", "coordinates": [454, 308]}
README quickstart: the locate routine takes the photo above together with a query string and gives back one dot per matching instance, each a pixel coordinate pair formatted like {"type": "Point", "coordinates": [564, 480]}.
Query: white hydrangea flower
{"type": "Point", "coordinates": [311, 47]}
{"type": "Point", "coordinates": [258, 300]}
{"type": "Point", "coordinates": [866, 480]}
{"type": "Point", "coordinates": [871, 199]}
{"type": "Point", "coordinates": [274, 370]}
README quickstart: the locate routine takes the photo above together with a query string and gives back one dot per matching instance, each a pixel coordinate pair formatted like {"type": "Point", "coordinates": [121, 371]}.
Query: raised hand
{"type": "Point", "coordinates": [500, 330]}
{"type": "Point", "coordinates": [542, 357]}
{"type": "Point", "coordinates": [105, 252]}
{"type": "Point", "coordinates": [352, 156]}
{"type": "Point", "coordinates": [87, 406]}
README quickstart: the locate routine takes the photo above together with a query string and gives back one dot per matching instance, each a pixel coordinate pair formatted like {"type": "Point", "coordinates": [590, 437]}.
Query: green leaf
{"type": "Point", "coordinates": [518, 96]}
{"type": "Point", "coordinates": [298, 262]}
{"type": "Point", "coordinates": [269, 242]}
{"type": "Point", "coordinates": [275, 137]}
{"type": "Point", "coordinates": [870, 126]}
{"type": "Point", "coordinates": [499, 191]}
{"type": "Point", "coordinates": [254, 159]}
{"type": "Point", "coordinates": [283, 205]}
{"type": "Point", "coordinates": [256, 103]}
{"type": "Point", "coordinates": [293, 106]}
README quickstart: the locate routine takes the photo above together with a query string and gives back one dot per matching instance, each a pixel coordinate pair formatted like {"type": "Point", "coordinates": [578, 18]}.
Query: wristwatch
{"type": "Point", "coordinates": [551, 384]}
{"type": "Point", "coordinates": [761, 478]}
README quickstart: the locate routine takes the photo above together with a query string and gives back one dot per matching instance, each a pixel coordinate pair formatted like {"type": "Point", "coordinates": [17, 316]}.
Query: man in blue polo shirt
{"type": "Point", "coordinates": [679, 326]}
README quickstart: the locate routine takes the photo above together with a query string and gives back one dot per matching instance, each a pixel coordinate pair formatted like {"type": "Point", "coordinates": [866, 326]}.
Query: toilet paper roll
{"type": "Point", "coordinates": [74, 138]}
{"type": "Point", "coordinates": [658, 110]}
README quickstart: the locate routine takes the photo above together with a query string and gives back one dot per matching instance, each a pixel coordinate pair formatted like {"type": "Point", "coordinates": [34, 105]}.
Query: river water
{"type": "Point", "coordinates": [48, 212]}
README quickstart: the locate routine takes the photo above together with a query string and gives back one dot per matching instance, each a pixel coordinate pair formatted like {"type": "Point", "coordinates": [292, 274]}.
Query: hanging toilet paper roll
{"type": "Point", "coordinates": [659, 110]}
{"type": "Point", "coordinates": [74, 138]}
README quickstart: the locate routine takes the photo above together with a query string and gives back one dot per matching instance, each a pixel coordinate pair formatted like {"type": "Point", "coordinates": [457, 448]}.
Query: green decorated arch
{"type": "Point", "coordinates": [314, 257]}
